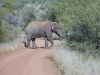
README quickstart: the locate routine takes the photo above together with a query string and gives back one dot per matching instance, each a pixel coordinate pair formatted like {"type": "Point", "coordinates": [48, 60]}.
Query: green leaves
{"type": "Point", "coordinates": [82, 17]}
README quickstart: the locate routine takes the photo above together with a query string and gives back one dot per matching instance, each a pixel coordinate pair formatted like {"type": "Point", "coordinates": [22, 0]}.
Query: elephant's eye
{"type": "Point", "coordinates": [57, 28]}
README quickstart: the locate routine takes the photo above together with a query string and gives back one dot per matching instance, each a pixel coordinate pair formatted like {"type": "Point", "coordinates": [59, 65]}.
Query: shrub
{"type": "Point", "coordinates": [82, 17]}
{"type": "Point", "coordinates": [11, 19]}
{"type": "Point", "coordinates": [8, 32]}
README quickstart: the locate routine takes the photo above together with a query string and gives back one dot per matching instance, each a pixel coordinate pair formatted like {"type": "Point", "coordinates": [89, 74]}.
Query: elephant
{"type": "Point", "coordinates": [41, 29]}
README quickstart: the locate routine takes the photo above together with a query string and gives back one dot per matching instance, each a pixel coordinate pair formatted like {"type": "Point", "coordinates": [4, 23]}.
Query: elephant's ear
{"type": "Point", "coordinates": [52, 26]}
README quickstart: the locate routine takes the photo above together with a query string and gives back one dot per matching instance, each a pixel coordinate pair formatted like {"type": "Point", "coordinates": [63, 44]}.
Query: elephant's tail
{"type": "Point", "coordinates": [24, 40]}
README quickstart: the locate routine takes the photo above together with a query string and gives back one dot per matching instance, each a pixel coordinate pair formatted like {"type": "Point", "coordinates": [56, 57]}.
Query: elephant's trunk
{"type": "Point", "coordinates": [59, 33]}
{"type": "Point", "coordinates": [61, 38]}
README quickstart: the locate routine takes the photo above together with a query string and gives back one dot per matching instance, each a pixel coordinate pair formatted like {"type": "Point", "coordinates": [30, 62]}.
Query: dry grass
{"type": "Point", "coordinates": [74, 63]}
{"type": "Point", "coordinates": [11, 46]}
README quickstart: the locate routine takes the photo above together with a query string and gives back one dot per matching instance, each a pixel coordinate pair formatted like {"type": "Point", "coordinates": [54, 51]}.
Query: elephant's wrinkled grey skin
{"type": "Point", "coordinates": [41, 29]}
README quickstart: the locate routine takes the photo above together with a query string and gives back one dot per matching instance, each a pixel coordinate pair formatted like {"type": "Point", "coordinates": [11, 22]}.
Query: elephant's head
{"type": "Point", "coordinates": [56, 29]}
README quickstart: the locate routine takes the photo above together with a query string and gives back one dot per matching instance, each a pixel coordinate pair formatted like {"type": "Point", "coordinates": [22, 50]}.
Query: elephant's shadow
{"type": "Point", "coordinates": [53, 38]}
{"type": "Point", "coordinates": [41, 47]}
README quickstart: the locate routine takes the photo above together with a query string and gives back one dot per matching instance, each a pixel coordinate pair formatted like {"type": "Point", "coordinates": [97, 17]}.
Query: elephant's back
{"type": "Point", "coordinates": [35, 26]}
{"type": "Point", "coordinates": [42, 24]}
{"type": "Point", "coordinates": [32, 27]}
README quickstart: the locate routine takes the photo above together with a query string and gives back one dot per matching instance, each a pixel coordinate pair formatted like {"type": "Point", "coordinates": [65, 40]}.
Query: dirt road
{"type": "Point", "coordinates": [29, 61]}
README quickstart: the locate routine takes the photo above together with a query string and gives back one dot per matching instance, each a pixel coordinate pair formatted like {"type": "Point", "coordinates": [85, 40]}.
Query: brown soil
{"type": "Point", "coordinates": [29, 61]}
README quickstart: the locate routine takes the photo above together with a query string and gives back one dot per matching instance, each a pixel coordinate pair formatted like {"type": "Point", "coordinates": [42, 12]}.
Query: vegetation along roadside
{"type": "Point", "coordinates": [80, 24]}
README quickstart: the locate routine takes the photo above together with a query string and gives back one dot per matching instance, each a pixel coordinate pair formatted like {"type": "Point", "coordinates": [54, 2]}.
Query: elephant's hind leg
{"type": "Point", "coordinates": [33, 44]}
{"type": "Point", "coordinates": [28, 43]}
{"type": "Point", "coordinates": [46, 42]}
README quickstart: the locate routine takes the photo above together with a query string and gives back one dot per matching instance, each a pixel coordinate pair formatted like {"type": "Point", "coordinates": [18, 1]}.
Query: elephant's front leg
{"type": "Point", "coordinates": [46, 42]}
{"type": "Point", "coordinates": [50, 38]}
{"type": "Point", "coordinates": [51, 41]}
{"type": "Point", "coordinates": [33, 44]}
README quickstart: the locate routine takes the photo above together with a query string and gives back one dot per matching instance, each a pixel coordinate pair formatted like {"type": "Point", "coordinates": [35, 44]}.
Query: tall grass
{"type": "Point", "coordinates": [75, 63]}
{"type": "Point", "coordinates": [12, 45]}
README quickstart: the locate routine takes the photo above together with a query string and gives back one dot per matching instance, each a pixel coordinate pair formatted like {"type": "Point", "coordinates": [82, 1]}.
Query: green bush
{"type": "Point", "coordinates": [8, 32]}
{"type": "Point", "coordinates": [82, 17]}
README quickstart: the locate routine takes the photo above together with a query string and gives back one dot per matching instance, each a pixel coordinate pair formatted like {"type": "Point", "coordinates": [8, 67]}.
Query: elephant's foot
{"type": "Point", "coordinates": [51, 46]}
{"type": "Point", "coordinates": [46, 47]}
{"type": "Point", "coordinates": [34, 47]}
{"type": "Point", "coordinates": [28, 47]}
